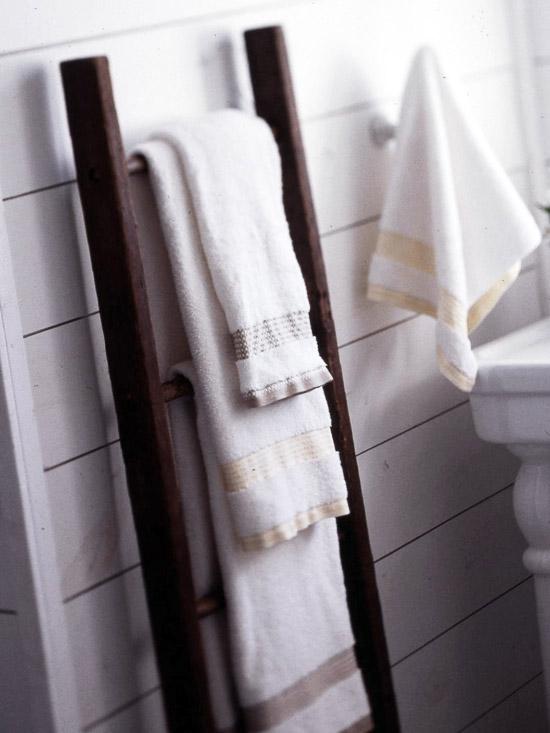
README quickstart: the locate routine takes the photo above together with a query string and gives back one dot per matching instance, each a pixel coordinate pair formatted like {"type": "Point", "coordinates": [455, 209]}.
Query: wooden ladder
{"type": "Point", "coordinates": [140, 397]}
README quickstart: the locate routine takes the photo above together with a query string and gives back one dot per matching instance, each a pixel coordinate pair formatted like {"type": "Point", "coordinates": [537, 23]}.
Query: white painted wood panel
{"type": "Point", "coordinates": [111, 646]}
{"type": "Point", "coordinates": [343, 36]}
{"type": "Point", "coordinates": [94, 531]}
{"type": "Point", "coordinates": [144, 716]}
{"type": "Point", "coordinates": [32, 24]}
{"type": "Point", "coordinates": [418, 480]}
{"type": "Point", "coordinates": [392, 382]}
{"type": "Point", "coordinates": [429, 585]}
{"type": "Point", "coordinates": [445, 685]}
{"type": "Point", "coordinates": [40, 665]}
{"type": "Point", "coordinates": [189, 69]}
{"type": "Point", "coordinates": [523, 711]}
{"type": "Point", "coordinates": [51, 261]}
{"type": "Point", "coordinates": [71, 389]}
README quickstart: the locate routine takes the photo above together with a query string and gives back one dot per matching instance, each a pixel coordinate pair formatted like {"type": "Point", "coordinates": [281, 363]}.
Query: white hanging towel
{"type": "Point", "coordinates": [281, 471]}
{"type": "Point", "coordinates": [453, 228]}
{"type": "Point", "coordinates": [235, 183]}
{"type": "Point", "coordinates": [271, 472]}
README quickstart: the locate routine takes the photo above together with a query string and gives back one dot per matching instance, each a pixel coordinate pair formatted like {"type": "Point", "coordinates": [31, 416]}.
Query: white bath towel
{"type": "Point", "coordinates": [291, 642]}
{"type": "Point", "coordinates": [281, 472]}
{"type": "Point", "coordinates": [233, 172]}
{"type": "Point", "coordinates": [453, 228]}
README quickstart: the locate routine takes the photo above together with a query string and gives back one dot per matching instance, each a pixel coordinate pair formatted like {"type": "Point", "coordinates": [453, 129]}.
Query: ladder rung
{"type": "Point", "coordinates": [209, 604]}
{"type": "Point", "coordinates": [176, 388]}
{"type": "Point", "coordinates": [136, 164]}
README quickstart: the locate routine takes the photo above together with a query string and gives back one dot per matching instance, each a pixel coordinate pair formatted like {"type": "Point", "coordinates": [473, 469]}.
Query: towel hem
{"type": "Point", "coordinates": [303, 382]}
{"type": "Point", "coordinates": [290, 529]}
{"type": "Point", "coordinates": [453, 373]}
{"type": "Point", "coordinates": [272, 712]}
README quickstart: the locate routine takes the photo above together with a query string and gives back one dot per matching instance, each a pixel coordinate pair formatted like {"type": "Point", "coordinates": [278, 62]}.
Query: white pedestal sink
{"type": "Point", "coordinates": [511, 405]}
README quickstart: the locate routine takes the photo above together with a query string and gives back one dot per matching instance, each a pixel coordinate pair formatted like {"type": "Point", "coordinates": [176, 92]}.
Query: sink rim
{"type": "Point", "coordinates": [498, 373]}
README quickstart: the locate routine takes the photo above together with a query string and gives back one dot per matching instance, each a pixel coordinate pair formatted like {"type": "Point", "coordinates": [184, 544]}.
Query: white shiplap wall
{"type": "Point", "coordinates": [457, 603]}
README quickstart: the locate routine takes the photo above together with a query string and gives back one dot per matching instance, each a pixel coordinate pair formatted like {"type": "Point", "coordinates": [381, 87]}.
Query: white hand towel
{"type": "Point", "coordinates": [291, 642]}
{"type": "Point", "coordinates": [233, 172]}
{"type": "Point", "coordinates": [281, 472]}
{"type": "Point", "coordinates": [453, 228]}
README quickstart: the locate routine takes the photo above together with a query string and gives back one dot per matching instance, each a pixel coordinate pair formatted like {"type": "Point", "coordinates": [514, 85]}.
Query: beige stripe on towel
{"type": "Point", "coordinates": [273, 459]}
{"type": "Point", "coordinates": [419, 256]}
{"type": "Point", "coordinates": [290, 529]}
{"type": "Point", "coordinates": [277, 709]}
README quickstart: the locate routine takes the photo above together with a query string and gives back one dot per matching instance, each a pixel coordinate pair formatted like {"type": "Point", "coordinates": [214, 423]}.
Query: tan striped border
{"type": "Point", "coordinates": [419, 256]}
{"type": "Point", "coordinates": [290, 529]}
{"type": "Point", "coordinates": [401, 300]}
{"type": "Point", "coordinates": [406, 250]}
{"type": "Point", "coordinates": [278, 457]}
{"type": "Point", "coordinates": [304, 692]}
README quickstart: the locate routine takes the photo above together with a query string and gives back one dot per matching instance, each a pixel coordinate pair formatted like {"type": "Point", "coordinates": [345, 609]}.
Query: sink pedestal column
{"type": "Point", "coordinates": [532, 510]}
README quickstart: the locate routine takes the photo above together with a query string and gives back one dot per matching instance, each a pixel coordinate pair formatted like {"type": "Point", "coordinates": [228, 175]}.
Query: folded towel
{"type": "Point", "coordinates": [291, 646]}
{"type": "Point", "coordinates": [289, 631]}
{"type": "Point", "coordinates": [281, 472]}
{"type": "Point", "coordinates": [453, 228]}
{"type": "Point", "coordinates": [233, 172]}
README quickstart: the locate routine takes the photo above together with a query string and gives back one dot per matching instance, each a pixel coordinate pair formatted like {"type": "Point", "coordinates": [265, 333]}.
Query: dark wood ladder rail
{"type": "Point", "coordinates": [140, 398]}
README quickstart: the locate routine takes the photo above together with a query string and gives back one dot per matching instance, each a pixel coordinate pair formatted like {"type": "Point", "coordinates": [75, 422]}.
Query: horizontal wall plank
{"type": "Point", "coordinates": [51, 262]}
{"type": "Point", "coordinates": [463, 673]}
{"type": "Point", "coordinates": [430, 585]}
{"type": "Point", "coordinates": [111, 646]}
{"type": "Point", "coordinates": [422, 478]}
{"type": "Point", "coordinates": [145, 715]}
{"type": "Point", "coordinates": [71, 390]}
{"type": "Point", "coordinates": [94, 532]}
{"type": "Point", "coordinates": [187, 70]}
{"type": "Point", "coordinates": [524, 710]}
{"type": "Point", "coordinates": [392, 382]}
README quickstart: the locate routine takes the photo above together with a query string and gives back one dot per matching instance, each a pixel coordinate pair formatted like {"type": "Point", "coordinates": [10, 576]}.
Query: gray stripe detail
{"type": "Point", "coordinates": [272, 712]}
{"type": "Point", "coordinates": [270, 333]}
